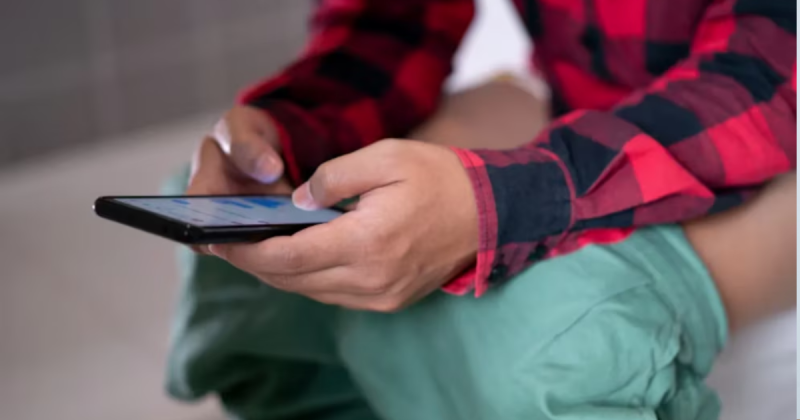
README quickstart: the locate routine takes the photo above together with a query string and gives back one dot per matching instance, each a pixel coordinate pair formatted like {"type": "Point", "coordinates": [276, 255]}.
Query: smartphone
{"type": "Point", "coordinates": [198, 220]}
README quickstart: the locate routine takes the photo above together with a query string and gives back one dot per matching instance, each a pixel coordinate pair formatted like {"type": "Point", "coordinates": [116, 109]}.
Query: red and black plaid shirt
{"type": "Point", "coordinates": [669, 110]}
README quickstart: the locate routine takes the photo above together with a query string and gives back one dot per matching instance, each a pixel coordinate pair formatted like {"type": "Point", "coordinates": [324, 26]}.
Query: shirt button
{"type": "Point", "coordinates": [538, 253]}
{"type": "Point", "coordinates": [498, 273]}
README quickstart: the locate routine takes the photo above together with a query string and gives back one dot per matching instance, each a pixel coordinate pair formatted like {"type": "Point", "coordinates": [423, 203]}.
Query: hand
{"type": "Point", "coordinates": [242, 157]}
{"type": "Point", "coordinates": [414, 228]}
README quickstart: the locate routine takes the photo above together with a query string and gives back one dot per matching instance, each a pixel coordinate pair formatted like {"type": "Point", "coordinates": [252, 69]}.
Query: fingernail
{"type": "Point", "coordinates": [302, 198]}
{"type": "Point", "coordinates": [268, 169]}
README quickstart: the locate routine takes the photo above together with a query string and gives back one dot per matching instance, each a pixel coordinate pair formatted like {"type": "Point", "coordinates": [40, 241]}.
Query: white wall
{"type": "Point", "coordinates": [496, 41]}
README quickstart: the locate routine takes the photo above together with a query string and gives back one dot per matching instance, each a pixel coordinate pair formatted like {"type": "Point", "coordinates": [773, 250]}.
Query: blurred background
{"type": "Point", "coordinates": [106, 97]}
{"type": "Point", "coordinates": [110, 97]}
{"type": "Point", "coordinates": [78, 72]}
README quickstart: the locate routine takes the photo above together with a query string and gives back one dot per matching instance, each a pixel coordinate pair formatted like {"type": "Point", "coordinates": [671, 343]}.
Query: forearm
{"type": "Point", "coordinates": [696, 140]}
{"type": "Point", "coordinates": [750, 250]}
{"type": "Point", "coordinates": [372, 69]}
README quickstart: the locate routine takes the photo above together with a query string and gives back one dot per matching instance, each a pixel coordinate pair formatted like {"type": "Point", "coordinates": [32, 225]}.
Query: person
{"type": "Point", "coordinates": [270, 354]}
{"type": "Point", "coordinates": [680, 133]}
{"type": "Point", "coordinates": [679, 110]}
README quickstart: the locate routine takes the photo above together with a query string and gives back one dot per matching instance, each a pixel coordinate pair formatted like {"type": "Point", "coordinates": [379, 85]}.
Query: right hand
{"type": "Point", "coordinates": [241, 157]}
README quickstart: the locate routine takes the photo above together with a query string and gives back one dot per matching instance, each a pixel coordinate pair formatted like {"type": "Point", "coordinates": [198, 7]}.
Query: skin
{"type": "Point", "coordinates": [751, 253]}
{"type": "Point", "coordinates": [415, 226]}
{"type": "Point", "coordinates": [241, 157]}
{"type": "Point", "coordinates": [392, 249]}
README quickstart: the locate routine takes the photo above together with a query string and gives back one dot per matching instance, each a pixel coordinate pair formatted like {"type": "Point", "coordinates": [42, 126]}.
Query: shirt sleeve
{"type": "Point", "coordinates": [715, 125]}
{"type": "Point", "coordinates": [372, 69]}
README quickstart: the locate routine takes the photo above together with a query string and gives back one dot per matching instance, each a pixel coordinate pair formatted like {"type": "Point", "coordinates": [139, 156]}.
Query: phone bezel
{"type": "Point", "coordinates": [109, 208]}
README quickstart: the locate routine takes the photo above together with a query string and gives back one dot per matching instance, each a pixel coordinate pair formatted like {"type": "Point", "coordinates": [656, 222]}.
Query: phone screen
{"type": "Point", "coordinates": [231, 211]}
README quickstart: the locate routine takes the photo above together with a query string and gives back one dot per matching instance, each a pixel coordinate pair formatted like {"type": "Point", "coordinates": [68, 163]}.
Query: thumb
{"type": "Point", "coordinates": [342, 178]}
{"type": "Point", "coordinates": [248, 143]}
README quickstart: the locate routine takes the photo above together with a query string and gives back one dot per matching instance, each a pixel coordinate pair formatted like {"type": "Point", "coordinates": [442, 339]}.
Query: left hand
{"type": "Point", "coordinates": [414, 228]}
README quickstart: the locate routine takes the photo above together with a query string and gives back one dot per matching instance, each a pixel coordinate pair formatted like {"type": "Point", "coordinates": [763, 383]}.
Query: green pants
{"type": "Point", "coordinates": [626, 331]}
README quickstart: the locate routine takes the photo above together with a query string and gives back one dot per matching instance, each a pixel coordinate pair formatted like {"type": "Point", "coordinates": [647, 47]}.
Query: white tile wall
{"type": "Point", "coordinates": [79, 71]}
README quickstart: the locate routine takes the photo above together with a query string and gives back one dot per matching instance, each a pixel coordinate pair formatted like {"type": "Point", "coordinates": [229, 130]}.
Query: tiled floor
{"type": "Point", "coordinates": [84, 303]}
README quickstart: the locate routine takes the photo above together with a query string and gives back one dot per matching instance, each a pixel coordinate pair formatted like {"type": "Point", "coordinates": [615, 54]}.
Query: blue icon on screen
{"type": "Point", "coordinates": [230, 202]}
{"type": "Point", "coordinates": [184, 202]}
{"type": "Point", "coordinates": [265, 202]}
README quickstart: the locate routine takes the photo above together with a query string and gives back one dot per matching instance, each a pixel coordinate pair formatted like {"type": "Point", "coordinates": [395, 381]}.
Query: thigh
{"type": "Point", "coordinates": [591, 335]}
{"type": "Point", "coordinates": [495, 115]}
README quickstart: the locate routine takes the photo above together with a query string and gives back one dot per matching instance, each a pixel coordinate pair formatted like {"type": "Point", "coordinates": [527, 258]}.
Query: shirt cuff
{"type": "Point", "coordinates": [476, 278]}
{"type": "Point", "coordinates": [298, 133]}
{"type": "Point", "coordinates": [299, 136]}
{"type": "Point", "coordinates": [531, 186]}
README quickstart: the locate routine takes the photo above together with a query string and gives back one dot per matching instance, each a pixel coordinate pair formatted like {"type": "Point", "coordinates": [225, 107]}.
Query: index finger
{"type": "Point", "coordinates": [208, 165]}
{"type": "Point", "coordinates": [247, 136]}
{"type": "Point", "coordinates": [316, 248]}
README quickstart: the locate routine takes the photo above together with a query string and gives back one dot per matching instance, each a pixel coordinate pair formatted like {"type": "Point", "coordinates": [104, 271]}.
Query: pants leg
{"type": "Point", "coordinates": [627, 331]}
{"type": "Point", "coordinates": [266, 354]}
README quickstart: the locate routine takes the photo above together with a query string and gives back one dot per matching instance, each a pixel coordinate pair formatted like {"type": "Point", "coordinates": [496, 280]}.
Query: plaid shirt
{"type": "Point", "coordinates": [669, 110]}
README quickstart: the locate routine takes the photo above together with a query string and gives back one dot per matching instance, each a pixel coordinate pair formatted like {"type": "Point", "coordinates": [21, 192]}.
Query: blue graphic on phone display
{"type": "Point", "coordinates": [265, 202]}
{"type": "Point", "coordinates": [232, 211]}
{"type": "Point", "coordinates": [230, 202]}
